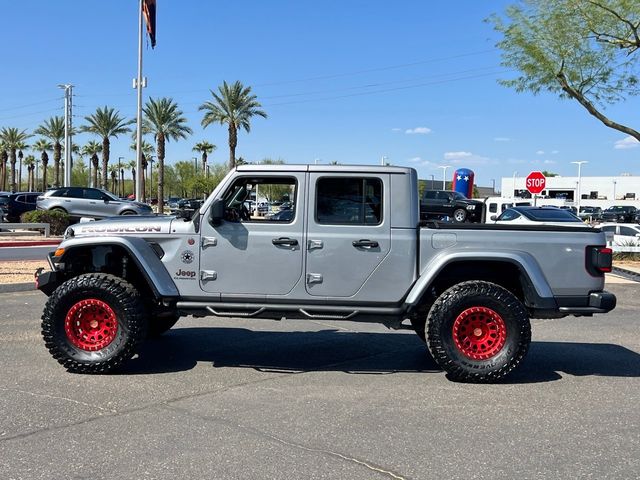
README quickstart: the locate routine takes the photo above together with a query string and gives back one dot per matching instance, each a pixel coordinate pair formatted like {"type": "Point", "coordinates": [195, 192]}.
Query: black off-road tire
{"type": "Point", "coordinates": [459, 215]}
{"type": "Point", "coordinates": [160, 324]}
{"type": "Point", "coordinates": [127, 324]}
{"type": "Point", "coordinates": [487, 310]}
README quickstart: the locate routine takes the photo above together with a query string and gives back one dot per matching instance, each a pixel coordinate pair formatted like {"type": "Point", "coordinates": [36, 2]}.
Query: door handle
{"type": "Point", "coordinates": [365, 243]}
{"type": "Point", "coordinates": [285, 241]}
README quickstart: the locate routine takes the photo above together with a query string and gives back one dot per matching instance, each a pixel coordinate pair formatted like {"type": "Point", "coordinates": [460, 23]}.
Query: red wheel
{"type": "Point", "coordinates": [91, 325]}
{"type": "Point", "coordinates": [479, 333]}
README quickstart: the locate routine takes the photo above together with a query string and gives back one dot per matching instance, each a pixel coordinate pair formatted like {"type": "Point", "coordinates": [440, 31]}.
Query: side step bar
{"type": "Point", "coordinates": [316, 312]}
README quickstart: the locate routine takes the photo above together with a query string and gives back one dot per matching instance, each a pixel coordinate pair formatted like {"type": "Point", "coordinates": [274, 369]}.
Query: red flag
{"type": "Point", "coordinates": [149, 12]}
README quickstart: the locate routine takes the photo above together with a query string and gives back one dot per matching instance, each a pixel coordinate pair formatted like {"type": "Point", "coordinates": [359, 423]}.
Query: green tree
{"type": "Point", "coordinates": [583, 50]}
{"type": "Point", "coordinates": [20, 146]}
{"type": "Point", "coordinates": [546, 173]}
{"type": "Point", "coordinates": [79, 173]}
{"type": "Point", "coordinates": [234, 106]}
{"type": "Point", "coordinates": [106, 123]}
{"type": "Point", "coordinates": [53, 129]}
{"type": "Point", "coordinates": [91, 149]}
{"type": "Point", "coordinates": [43, 145]}
{"type": "Point", "coordinates": [13, 139]}
{"type": "Point", "coordinates": [205, 148]}
{"type": "Point", "coordinates": [166, 122]}
{"type": "Point", "coordinates": [132, 166]}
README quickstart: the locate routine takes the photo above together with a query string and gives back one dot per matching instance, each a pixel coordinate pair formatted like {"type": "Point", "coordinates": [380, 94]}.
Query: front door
{"type": "Point", "coordinates": [349, 232]}
{"type": "Point", "coordinates": [250, 254]}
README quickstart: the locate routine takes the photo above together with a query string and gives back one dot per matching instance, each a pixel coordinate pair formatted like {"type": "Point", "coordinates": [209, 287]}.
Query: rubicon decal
{"type": "Point", "coordinates": [140, 229]}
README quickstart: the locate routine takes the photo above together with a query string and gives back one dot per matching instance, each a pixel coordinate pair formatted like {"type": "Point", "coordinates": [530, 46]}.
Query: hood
{"type": "Point", "coordinates": [124, 225]}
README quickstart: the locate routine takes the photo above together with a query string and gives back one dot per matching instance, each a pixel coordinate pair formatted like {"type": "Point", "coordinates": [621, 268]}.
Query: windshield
{"type": "Point", "coordinates": [4, 200]}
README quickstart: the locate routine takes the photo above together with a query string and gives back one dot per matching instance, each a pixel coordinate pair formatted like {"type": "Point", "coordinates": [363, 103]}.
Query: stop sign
{"type": "Point", "coordinates": [536, 182]}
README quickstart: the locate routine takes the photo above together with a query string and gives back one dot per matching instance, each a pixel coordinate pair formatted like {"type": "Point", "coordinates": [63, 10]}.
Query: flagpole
{"type": "Point", "coordinates": [139, 173]}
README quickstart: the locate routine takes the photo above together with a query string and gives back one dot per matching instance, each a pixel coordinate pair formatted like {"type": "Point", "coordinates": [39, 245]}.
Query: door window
{"type": "Point", "coordinates": [93, 194]}
{"type": "Point", "coordinates": [261, 199]}
{"type": "Point", "coordinates": [350, 200]}
{"type": "Point", "coordinates": [628, 231]}
{"type": "Point", "coordinates": [508, 215]}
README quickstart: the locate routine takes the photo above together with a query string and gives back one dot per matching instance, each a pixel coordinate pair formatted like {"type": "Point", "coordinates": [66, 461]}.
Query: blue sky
{"type": "Point", "coordinates": [347, 81]}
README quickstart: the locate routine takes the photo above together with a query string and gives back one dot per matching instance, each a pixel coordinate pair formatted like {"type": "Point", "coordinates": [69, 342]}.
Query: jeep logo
{"type": "Point", "coordinates": [185, 273]}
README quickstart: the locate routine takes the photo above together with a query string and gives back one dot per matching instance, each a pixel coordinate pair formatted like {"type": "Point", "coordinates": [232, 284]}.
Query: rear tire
{"type": "Point", "coordinates": [478, 332]}
{"type": "Point", "coordinates": [58, 209]}
{"type": "Point", "coordinates": [93, 323]}
{"type": "Point", "coordinates": [128, 212]}
{"type": "Point", "coordinates": [459, 215]}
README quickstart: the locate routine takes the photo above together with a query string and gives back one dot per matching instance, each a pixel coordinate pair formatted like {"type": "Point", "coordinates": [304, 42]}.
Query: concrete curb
{"type": "Point", "coordinates": [30, 243]}
{"type": "Point", "coordinates": [17, 287]}
{"type": "Point", "coordinates": [629, 274]}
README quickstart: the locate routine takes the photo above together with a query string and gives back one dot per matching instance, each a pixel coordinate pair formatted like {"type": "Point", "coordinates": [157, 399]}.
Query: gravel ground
{"type": "Point", "coordinates": [20, 271]}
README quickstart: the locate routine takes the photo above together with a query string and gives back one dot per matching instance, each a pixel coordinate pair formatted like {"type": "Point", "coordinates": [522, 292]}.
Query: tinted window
{"type": "Point", "coordinates": [493, 207]}
{"type": "Point", "coordinates": [4, 200]}
{"type": "Point", "coordinates": [609, 228]}
{"type": "Point", "coordinates": [19, 198]}
{"type": "Point", "coordinates": [62, 192]}
{"type": "Point", "coordinates": [74, 193]}
{"type": "Point", "coordinates": [430, 194]}
{"type": "Point", "coordinates": [628, 231]}
{"type": "Point", "coordinates": [92, 194]}
{"type": "Point", "coordinates": [354, 201]}
{"type": "Point", "coordinates": [508, 215]}
{"type": "Point", "coordinates": [551, 215]}
{"type": "Point", "coordinates": [32, 198]}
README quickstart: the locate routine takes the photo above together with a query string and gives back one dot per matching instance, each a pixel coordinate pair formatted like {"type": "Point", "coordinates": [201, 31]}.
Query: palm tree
{"type": "Point", "coordinates": [43, 145]}
{"type": "Point", "coordinates": [3, 165]}
{"type": "Point", "coordinates": [132, 166]}
{"type": "Point", "coordinates": [13, 138]}
{"type": "Point", "coordinates": [166, 122]}
{"type": "Point", "coordinates": [20, 146]}
{"type": "Point", "coordinates": [106, 123]}
{"type": "Point", "coordinates": [92, 149]}
{"type": "Point", "coordinates": [147, 151]}
{"type": "Point", "coordinates": [235, 106]}
{"type": "Point", "coordinates": [30, 164]}
{"type": "Point", "coordinates": [53, 129]}
{"type": "Point", "coordinates": [205, 148]}
{"type": "Point", "coordinates": [113, 170]}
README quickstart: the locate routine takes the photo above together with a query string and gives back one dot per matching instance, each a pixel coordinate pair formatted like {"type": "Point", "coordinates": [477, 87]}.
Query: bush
{"type": "Point", "coordinates": [58, 221]}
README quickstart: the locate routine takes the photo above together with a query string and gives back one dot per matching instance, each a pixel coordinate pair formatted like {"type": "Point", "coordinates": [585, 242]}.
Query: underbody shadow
{"type": "Point", "coordinates": [363, 353]}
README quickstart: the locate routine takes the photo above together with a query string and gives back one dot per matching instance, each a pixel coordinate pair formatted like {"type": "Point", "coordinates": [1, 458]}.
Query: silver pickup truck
{"type": "Point", "coordinates": [352, 248]}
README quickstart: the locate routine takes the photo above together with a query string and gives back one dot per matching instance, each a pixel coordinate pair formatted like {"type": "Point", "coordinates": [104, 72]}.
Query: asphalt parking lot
{"type": "Point", "coordinates": [254, 399]}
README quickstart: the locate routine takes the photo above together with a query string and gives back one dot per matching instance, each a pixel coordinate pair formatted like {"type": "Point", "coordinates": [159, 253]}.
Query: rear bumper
{"type": "Point", "coordinates": [595, 302]}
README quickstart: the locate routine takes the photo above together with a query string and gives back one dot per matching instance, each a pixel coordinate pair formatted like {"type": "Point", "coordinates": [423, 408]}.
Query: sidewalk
{"type": "Point", "coordinates": [27, 240]}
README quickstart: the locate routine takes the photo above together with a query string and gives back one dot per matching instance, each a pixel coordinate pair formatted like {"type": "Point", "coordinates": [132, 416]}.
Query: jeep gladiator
{"type": "Point", "coordinates": [352, 249]}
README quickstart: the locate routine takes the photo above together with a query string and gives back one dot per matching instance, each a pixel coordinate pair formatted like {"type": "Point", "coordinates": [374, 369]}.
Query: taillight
{"type": "Point", "coordinates": [599, 260]}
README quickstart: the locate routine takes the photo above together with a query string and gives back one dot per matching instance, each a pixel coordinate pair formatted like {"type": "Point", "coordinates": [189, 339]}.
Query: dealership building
{"type": "Point", "coordinates": [596, 191]}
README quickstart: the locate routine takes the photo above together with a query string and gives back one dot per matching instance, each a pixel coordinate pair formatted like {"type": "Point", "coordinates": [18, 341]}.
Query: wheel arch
{"type": "Point", "coordinates": [144, 268]}
{"type": "Point", "coordinates": [517, 272]}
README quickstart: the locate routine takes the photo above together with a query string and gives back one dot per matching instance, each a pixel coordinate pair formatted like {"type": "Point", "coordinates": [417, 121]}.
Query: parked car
{"type": "Point", "coordinates": [620, 213]}
{"type": "Point", "coordinates": [570, 208]}
{"type": "Point", "coordinates": [15, 204]}
{"type": "Point", "coordinates": [590, 213]}
{"type": "Point", "coordinates": [445, 203]}
{"type": "Point", "coordinates": [172, 202]}
{"type": "Point", "coordinates": [538, 216]}
{"type": "Point", "coordinates": [282, 216]}
{"type": "Point", "coordinates": [624, 234]}
{"type": "Point", "coordinates": [89, 202]}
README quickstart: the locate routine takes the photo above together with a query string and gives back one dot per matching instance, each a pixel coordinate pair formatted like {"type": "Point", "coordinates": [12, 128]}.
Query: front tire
{"type": "Point", "coordinates": [478, 332]}
{"type": "Point", "coordinates": [128, 212]}
{"type": "Point", "coordinates": [93, 323]}
{"type": "Point", "coordinates": [459, 215]}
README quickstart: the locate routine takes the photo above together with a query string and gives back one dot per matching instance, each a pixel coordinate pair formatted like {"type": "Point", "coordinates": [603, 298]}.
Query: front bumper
{"type": "Point", "coordinates": [596, 302]}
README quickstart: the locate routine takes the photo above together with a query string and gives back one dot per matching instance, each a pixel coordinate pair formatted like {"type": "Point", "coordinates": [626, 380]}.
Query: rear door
{"type": "Point", "coordinates": [349, 232]}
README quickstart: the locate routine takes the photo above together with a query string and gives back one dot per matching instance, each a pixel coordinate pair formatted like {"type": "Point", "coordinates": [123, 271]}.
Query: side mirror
{"type": "Point", "coordinates": [216, 214]}
{"type": "Point", "coordinates": [493, 218]}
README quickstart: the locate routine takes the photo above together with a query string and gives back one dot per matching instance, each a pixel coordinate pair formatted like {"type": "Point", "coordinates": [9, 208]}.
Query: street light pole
{"type": "Point", "coordinates": [579, 181]}
{"type": "Point", "coordinates": [444, 175]}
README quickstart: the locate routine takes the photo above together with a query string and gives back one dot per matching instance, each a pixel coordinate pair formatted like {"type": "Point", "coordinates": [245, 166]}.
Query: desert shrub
{"type": "Point", "coordinates": [58, 221]}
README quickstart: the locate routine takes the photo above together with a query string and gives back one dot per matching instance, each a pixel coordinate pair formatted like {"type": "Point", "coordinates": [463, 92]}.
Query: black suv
{"type": "Point", "coordinates": [622, 214]}
{"type": "Point", "coordinates": [15, 204]}
{"type": "Point", "coordinates": [445, 203]}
